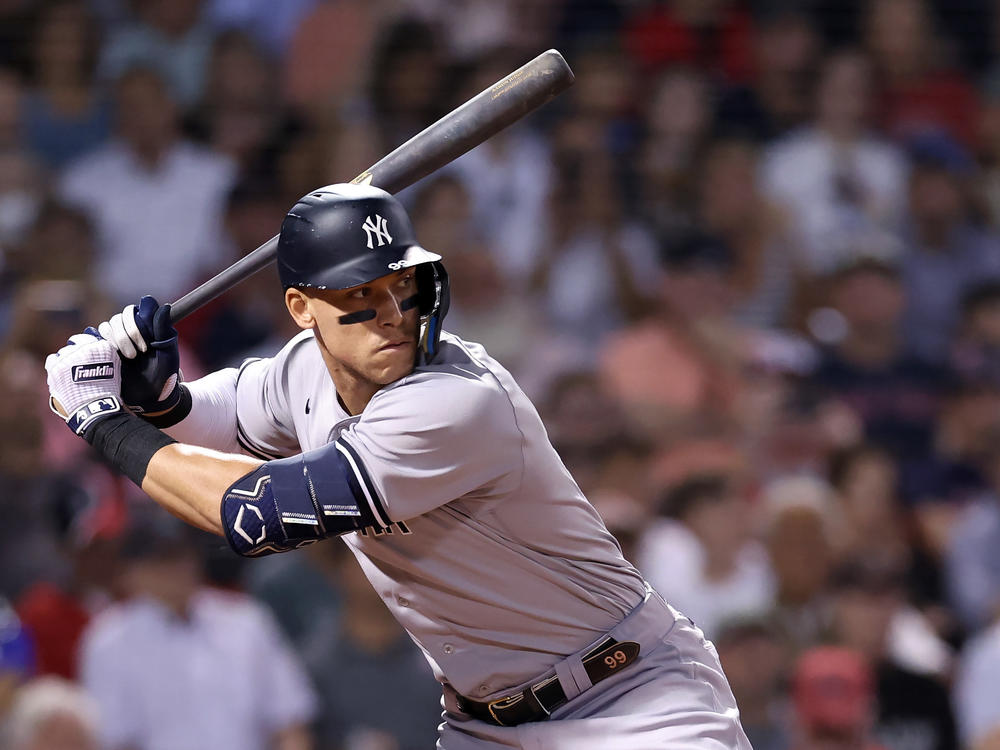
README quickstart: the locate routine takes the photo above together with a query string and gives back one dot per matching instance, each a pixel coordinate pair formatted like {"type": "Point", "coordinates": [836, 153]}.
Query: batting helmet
{"type": "Point", "coordinates": [345, 235]}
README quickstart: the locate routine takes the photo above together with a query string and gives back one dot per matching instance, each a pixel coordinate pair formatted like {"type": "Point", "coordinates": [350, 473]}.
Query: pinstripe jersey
{"type": "Point", "coordinates": [486, 550]}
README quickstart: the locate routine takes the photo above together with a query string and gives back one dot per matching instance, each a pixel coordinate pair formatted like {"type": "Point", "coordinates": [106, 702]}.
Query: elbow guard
{"type": "Point", "coordinates": [291, 502]}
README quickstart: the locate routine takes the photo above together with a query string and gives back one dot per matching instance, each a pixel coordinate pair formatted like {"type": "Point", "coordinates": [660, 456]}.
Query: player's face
{"type": "Point", "coordinates": [377, 351]}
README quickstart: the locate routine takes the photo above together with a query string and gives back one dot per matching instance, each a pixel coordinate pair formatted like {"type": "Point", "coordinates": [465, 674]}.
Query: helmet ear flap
{"type": "Point", "coordinates": [432, 289]}
{"type": "Point", "coordinates": [426, 292]}
{"type": "Point", "coordinates": [432, 303]}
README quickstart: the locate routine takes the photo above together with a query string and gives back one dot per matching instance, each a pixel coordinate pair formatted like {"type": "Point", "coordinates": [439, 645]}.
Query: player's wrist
{"type": "Point", "coordinates": [127, 442]}
{"type": "Point", "coordinates": [177, 408]}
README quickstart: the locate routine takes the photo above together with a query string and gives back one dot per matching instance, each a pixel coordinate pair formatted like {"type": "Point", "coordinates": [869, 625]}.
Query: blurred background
{"type": "Point", "coordinates": [748, 268]}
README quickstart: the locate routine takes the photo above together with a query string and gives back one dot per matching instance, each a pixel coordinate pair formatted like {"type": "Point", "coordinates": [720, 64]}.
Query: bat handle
{"type": "Point", "coordinates": [246, 266]}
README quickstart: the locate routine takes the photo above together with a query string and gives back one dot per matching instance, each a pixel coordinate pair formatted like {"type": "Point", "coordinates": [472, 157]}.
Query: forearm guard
{"type": "Point", "coordinates": [291, 502]}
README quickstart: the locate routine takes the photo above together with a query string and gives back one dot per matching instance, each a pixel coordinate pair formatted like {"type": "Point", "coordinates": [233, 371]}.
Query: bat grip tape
{"type": "Point", "coordinates": [127, 443]}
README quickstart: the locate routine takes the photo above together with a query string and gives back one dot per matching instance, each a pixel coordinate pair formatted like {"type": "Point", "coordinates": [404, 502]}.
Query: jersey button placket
{"type": "Point", "coordinates": [448, 648]}
{"type": "Point", "coordinates": [402, 601]}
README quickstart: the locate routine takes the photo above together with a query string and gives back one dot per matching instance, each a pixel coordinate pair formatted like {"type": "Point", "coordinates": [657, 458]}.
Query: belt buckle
{"type": "Point", "coordinates": [513, 700]}
{"type": "Point", "coordinates": [509, 701]}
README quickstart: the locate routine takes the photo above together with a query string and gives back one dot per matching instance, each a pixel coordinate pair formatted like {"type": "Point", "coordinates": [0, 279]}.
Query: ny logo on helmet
{"type": "Point", "coordinates": [378, 229]}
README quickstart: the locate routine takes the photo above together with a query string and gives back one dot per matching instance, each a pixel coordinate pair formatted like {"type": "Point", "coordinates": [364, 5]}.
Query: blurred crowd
{"type": "Point", "coordinates": [748, 268]}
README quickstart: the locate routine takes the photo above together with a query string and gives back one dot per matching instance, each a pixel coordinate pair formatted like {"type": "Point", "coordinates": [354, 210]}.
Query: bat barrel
{"type": "Point", "coordinates": [480, 118]}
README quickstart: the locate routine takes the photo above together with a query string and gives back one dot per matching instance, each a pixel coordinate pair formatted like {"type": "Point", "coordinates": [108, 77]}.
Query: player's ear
{"type": "Point", "coordinates": [298, 307]}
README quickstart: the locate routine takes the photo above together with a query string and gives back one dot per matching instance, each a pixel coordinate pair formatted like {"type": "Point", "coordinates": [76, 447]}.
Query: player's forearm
{"type": "Point", "coordinates": [189, 482]}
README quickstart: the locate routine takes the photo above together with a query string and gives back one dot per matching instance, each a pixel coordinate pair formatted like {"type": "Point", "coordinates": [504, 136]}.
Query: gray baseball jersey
{"type": "Point", "coordinates": [492, 558]}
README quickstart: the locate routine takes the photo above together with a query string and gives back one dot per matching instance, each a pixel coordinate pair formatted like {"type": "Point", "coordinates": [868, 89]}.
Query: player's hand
{"type": "Point", "coordinates": [84, 380]}
{"type": "Point", "coordinates": [147, 343]}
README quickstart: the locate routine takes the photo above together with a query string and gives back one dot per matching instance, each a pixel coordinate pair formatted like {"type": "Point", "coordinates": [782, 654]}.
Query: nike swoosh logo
{"type": "Point", "coordinates": [307, 406]}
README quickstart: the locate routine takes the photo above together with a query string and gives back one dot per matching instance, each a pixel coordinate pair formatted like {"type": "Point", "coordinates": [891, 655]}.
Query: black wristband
{"type": "Point", "coordinates": [180, 410]}
{"type": "Point", "coordinates": [127, 442]}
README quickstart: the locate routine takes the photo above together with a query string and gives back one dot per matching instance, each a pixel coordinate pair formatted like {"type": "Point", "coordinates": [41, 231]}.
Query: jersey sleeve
{"type": "Point", "coordinates": [433, 439]}
{"type": "Point", "coordinates": [211, 421]}
{"type": "Point", "coordinates": [243, 409]}
{"type": "Point", "coordinates": [263, 419]}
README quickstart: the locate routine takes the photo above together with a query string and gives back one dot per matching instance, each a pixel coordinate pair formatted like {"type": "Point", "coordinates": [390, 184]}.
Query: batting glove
{"type": "Point", "coordinates": [147, 343]}
{"type": "Point", "coordinates": [84, 379]}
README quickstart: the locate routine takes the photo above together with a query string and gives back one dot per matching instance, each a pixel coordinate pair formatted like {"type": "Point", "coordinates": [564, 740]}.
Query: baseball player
{"type": "Point", "coordinates": [424, 455]}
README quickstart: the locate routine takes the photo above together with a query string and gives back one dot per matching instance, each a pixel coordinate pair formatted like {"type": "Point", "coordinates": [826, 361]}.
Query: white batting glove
{"type": "Point", "coordinates": [123, 332]}
{"type": "Point", "coordinates": [84, 380]}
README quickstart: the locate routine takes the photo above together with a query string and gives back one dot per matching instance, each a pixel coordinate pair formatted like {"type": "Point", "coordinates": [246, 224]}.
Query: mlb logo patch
{"type": "Point", "coordinates": [93, 371]}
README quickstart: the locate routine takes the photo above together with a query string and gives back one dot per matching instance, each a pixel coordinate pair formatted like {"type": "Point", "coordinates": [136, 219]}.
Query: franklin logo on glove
{"type": "Point", "coordinates": [95, 371]}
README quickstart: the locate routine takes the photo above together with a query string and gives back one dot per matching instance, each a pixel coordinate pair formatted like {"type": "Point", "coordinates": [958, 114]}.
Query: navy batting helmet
{"type": "Point", "coordinates": [345, 235]}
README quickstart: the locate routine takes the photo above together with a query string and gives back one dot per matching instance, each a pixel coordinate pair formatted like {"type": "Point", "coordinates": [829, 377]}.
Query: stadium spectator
{"type": "Point", "coordinates": [712, 34]}
{"type": "Point", "coordinates": [920, 89]}
{"type": "Point", "coordinates": [896, 394]}
{"type": "Point", "coordinates": [21, 178]}
{"type": "Point", "coordinates": [178, 649]}
{"type": "Point", "coordinates": [732, 207]}
{"type": "Point", "coordinates": [864, 478]}
{"type": "Point", "coordinates": [249, 320]}
{"type": "Point", "coordinates": [977, 692]}
{"type": "Point", "coordinates": [677, 117]}
{"type": "Point", "coordinates": [691, 335]}
{"type": "Point", "coordinates": [50, 713]}
{"type": "Point", "coordinates": [329, 45]}
{"type": "Point", "coordinates": [840, 183]}
{"type": "Point", "coordinates": [155, 198]}
{"type": "Point", "coordinates": [301, 594]}
{"type": "Point", "coordinates": [367, 663]}
{"type": "Point", "coordinates": [406, 82]}
{"type": "Point", "coordinates": [271, 24]}
{"type": "Point", "coordinates": [914, 709]}
{"type": "Point", "coordinates": [975, 351]}
{"type": "Point", "coordinates": [86, 517]}
{"type": "Point", "coordinates": [236, 113]}
{"type": "Point", "coordinates": [582, 419]}
{"type": "Point", "coordinates": [876, 528]}
{"type": "Point", "coordinates": [171, 37]}
{"type": "Point", "coordinates": [778, 97]}
{"type": "Point", "coordinates": [29, 549]}
{"type": "Point", "coordinates": [600, 115]}
{"type": "Point", "coordinates": [938, 488]}
{"type": "Point", "coordinates": [508, 179]}
{"type": "Point", "coordinates": [946, 252]}
{"type": "Point", "coordinates": [65, 114]}
{"type": "Point", "coordinates": [471, 27]}
{"type": "Point", "coordinates": [484, 307]}
{"type": "Point", "coordinates": [986, 195]}
{"type": "Point", "coordinates": [800, 525]}
{"type": "Point", "coordinates": [59, 245]}
{"type": "Point", "coordinates": [701, 557]}
{"type": "Point", "coordinates": [834, 700]}
{"type": "Point", "coordinates": [754, 654]}
{"type": "Point", "coordinates": [17, 660]}
{"type": "Point", "coordinates": [973, 552]}
{"type": "Point", "coordinates": [598, 265]}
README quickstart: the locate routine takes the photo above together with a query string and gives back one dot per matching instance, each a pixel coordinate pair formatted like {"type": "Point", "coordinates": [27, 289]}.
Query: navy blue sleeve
{"type": "Point", "coordinates": [291, 502]}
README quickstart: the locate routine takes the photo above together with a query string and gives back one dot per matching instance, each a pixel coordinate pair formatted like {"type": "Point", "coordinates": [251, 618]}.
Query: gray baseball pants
{"type": "Point", "coordinates": [673, 696]}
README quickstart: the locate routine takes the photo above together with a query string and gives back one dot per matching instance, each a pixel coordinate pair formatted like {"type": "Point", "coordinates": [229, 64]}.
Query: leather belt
{"type": "Point", "coordinates": [537, 701]}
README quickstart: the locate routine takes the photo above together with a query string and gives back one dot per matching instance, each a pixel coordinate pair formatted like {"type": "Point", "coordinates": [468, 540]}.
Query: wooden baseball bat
{"type": "Point", "coordinates": [461, 130]}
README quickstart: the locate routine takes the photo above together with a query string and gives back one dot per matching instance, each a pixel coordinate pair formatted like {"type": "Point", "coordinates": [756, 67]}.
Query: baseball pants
{"type": "Point", "coordinates": [673, 696]}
